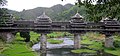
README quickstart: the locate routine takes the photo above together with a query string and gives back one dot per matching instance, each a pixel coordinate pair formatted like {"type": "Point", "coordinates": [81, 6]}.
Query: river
{"type": "Point", "coordinates": [64, 49]}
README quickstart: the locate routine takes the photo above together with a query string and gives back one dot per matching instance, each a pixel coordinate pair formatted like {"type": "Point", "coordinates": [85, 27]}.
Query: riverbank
{"type": "Point", "coordinates": [94, 45]}
{"type": "Point", "coordinates": [19, 48]}
{"type": "Point", "coordinates": [2, 46]}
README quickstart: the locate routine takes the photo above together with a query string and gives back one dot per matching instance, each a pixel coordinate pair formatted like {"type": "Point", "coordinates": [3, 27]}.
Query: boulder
{"type": "Point", "coordinates": [7, 36]}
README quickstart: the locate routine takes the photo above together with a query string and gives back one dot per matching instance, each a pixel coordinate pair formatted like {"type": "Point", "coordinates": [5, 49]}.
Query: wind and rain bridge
{"type": "Point", "coordinates": [44, 25]}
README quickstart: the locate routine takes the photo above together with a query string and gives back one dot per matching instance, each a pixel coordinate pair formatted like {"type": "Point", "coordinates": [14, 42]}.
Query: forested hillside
{"type": "Point", "coordinates": [32, 14]}
{"type": "Point", "coordinates": [56, 13]}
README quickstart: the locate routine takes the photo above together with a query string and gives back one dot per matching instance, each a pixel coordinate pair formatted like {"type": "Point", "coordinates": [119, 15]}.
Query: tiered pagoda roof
{"type": "Point", "coordinates": [77, 21]}
{"type": "Point", "coordinates": [43, 21]}
{"type": "Point", "coordinates": [110, 23]}
{"type": "Point", "coordinates": [7, 20]}
{"type": "Point", "coordinates": [44, 18]}
{"type": "Point", "coordinates": [77, 16]}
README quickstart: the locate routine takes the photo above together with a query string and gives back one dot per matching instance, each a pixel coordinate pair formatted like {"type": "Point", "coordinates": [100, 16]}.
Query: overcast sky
{"type": "Point", "coordinates": [19, 5]}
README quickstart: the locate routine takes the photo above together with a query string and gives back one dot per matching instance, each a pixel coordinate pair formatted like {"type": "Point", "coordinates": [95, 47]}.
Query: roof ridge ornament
{"type": "Point", "coordinates": [77, 11]}
{"type": "Point", "coordinates": [44, 13]}
{"type": "Point", "coordinates": [43, 18]}
{"type": "Point", "coordinates": [78, 16]}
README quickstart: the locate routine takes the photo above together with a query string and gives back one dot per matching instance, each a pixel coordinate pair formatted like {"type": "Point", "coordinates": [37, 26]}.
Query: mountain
{"type": "Point", "coordinates": [56, 13]}
{"type": "Point", "coordinates": [66, 15]}
{"type": "Point", "coordinates": [67, 6]}
{"type": "Point", "coordinates": [32, 14]}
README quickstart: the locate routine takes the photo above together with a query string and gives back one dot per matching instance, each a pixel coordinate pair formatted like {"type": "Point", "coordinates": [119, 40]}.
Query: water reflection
{"type": "Point", "coordinates": [65, 48]}
{"type": "Point", "coordinates": [67, 52]}
{"type": "Point", "coordinates": [64, 52]}
{"type": "Point", "coordinates": [60, 52]}
{"type": "Point", "coordinates": [42, 54]}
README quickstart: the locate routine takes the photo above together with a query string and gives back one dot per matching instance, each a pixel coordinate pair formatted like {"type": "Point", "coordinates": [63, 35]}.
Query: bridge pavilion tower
{"type": "Point", "coordinates": [110, 24]}
{"type": "Point", "coordinates": [7, 21]}
{"type": "Point", "coordinates": [77, 23]}
{"type": "Point", "coordinates": [43, 26]}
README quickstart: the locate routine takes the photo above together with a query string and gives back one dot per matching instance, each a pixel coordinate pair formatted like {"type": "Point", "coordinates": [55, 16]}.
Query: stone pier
{"type": "Point", "coordinates": [43, 43]}
{"type": "Point", "coordinates": [109, 42]}
{"type": "Point", "coordinates": [77, 40]}
{"type": "Point", "coordinates": [7, 36]}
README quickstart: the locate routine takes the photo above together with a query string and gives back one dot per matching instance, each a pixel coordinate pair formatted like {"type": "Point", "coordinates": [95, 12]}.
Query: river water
{"type": "Point", "coordinates": [64, 52]}
{"type": "Point", "coordinates": [63, 49]}
{"type": "Point", "coordinates": [67, 43]}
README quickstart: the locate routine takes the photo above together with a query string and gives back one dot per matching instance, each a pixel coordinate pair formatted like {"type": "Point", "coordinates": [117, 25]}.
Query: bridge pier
{"type": "Point", "coordinates": [77, 40]}
{"type": "Point", "coordinates": [7, 36]}
{"type": "Point", "coordinates": [109, 42]}
{"type": "Point", "coordinates": [43, 43]}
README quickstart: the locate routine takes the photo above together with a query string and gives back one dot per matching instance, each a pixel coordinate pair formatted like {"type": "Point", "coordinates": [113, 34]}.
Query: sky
{"type": "Point", "coordinates": [19, 5]}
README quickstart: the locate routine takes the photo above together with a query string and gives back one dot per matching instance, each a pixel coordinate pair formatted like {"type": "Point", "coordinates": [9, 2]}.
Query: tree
{"type": "Point", "coordinates": [25, 35]}
{"type": "Point", "coordinates": [3, 2]}
{"type": "Point", "coordinates": [102, 8]}
{"type": "Point", "coordinates": [3, 11]}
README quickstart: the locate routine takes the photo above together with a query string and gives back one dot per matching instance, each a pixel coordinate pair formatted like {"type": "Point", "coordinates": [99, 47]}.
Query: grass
{"type": "Point", "coordinates": [114, 52]}
{"type": "Point", "coordinates": [55, 35]}
{"type": "Point", "coordinates": [92, 43]}
{"type": "Point", "coordinates": [97, 45]}
{"type": "Point", "coordinates": [89, 39]}
{"type": "Point", "coordinates": [19, 48]}
{"type": "Point", "coordinates": [52, 41]}
{"type": "Point", "coordinates": [86, 42]}
{"type": "Point", "coordinates": [83, 51]}
{"type": "Point", "coordinates": [34, 36]}
{"type": "Point", "coordinates": [58, 34]}
{"type": "Point", "coordinates": [2, 46]}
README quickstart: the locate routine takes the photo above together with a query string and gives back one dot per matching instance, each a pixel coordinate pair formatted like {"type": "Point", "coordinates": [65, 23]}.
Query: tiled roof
{"type": "Point", "coordinates": [43, 16]}
{"type": "Point", "coordinates": [77, 15]}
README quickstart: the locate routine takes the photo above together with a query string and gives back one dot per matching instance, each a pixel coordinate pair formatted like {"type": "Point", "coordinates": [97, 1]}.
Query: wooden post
{"type": "Point", "coordinates": [77, 41]}
{"type": "Point", "coordinates": [43, 43]}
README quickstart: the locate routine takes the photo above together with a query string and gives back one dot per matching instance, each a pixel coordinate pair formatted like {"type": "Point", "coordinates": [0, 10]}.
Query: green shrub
{"type": "Point", "coordinates": [25, 35]}
{"type": "Point", "coordinates": [35, 38]}
{"type": "Point", "coordinates": [114, 52]}
{"type": "Point", "coordinates": [116, 43]}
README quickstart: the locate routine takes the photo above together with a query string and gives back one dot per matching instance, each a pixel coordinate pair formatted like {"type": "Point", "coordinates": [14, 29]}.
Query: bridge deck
{"type": "Point", "coordinates": [60, 26]}
{"type": "Point", "coordinates": [57, 29]}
